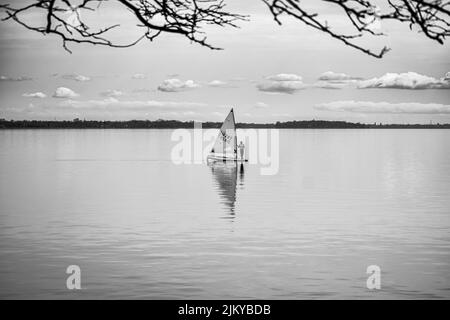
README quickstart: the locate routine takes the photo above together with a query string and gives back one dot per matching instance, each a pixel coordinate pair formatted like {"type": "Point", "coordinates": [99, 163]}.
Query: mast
{"type": "Point", "coordinates": [235, 135]}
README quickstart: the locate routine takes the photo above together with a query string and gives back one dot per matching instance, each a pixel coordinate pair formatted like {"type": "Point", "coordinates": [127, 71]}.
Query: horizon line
{"type": "Point", "coordinates": [278, 122]}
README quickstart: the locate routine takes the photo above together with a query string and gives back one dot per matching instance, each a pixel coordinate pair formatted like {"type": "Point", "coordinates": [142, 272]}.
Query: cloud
{"type": "Point", "coordinates": [384, 107]}
{"type": "Point", "coordinates": [63, 92]}
{"type": "Point", "coordinates": [176, 85]}
{"type": "Point", "coordinates": [112, 93]}
{"type": "Point", "coordinates": [112, 108]}
{"type": "Point", "coordinates": [218, 83]}
{"type": "Point", "coordinates": [282, 83]}
{"type": "Point", "coordinates": [334, 80]}
{"type": "Point", "coordinates": [139, 76]}
{"type": "Point", "coordinates": [113, 103]}
{"type": "Point", "coordinates": [20, 78]}
{"type": "Point", "coordinates": [281, 86]}
{"type": "Point", "coordinates": [284, 77]}
{"type": "Point", "coordinates": [221, 84]}
{"type": "Point", "coordinates": [40, 95]}
{"type": "Point", "coordinates": [261, 105]}
{"type": "Point", "coordinates": [408, 80]}
{"type": "Point", "coordinates": [76, 77]}
{"type": "Point", "coordinates": [331, 85]}
{"type": "Point", "coordinates": [334, 76]}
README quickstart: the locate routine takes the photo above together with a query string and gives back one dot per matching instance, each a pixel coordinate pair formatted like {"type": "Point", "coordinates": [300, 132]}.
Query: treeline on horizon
{"type": "Point", "coordinates": [175, 124]}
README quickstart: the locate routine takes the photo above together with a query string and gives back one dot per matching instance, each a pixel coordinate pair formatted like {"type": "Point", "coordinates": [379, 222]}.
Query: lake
{"type": "Point", "coordinates": [139, 226]}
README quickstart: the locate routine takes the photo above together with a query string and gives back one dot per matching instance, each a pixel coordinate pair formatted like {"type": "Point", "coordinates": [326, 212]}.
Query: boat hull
{"type": "Point", "coordinates": [224, 159]}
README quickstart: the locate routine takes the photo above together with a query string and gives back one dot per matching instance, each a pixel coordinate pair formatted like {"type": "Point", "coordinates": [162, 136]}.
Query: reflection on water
{"type": "Point", "coordinates": [140, 226]}
{"type": "Point", "coordinates": [241, 176]}
{"type": "Point", "coordinates": [226, 178]}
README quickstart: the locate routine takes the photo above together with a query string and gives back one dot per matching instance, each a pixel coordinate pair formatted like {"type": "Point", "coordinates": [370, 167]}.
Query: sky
{"type": "Point", "coordinates": [266, 72]}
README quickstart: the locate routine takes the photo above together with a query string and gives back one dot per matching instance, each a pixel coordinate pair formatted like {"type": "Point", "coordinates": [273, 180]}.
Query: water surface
{"type": "Point", "coordinates": [139, 226]}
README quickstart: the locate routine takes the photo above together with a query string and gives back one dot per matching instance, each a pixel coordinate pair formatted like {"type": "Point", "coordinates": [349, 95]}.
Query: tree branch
{"type": "Point", "coordinates": [188, 18]}
{"type": "Point", "coordinates": [431, 16]}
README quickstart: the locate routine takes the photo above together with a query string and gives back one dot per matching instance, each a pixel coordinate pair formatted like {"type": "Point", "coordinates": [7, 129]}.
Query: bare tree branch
{"type": "Point", "coordinates": [189, 17]}
{"type": "Point", "coordinates": [184, 17]}
{"type": "Point", "coordinates": [431, 16]}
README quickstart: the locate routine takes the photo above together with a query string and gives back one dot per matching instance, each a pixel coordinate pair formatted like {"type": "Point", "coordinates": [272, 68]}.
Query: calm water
{"type": "Point", "coordinates": [139, 226]}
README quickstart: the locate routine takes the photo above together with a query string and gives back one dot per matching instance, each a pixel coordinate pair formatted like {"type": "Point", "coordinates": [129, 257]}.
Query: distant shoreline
{"type": "Point", "coordinates": [175, 124]}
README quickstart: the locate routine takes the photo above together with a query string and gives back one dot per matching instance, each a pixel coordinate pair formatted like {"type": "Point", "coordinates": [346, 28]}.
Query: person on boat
{"type": "Point", "coordinates": [241, 148]}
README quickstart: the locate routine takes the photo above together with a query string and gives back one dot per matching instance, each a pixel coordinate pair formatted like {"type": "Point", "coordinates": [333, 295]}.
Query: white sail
{"type": "Point", "coordinates": [226, 142]}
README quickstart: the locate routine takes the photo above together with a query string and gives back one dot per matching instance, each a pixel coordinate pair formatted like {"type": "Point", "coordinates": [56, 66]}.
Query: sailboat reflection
{"type": "Point", "coordinates": [224, 163]}
{"type": "Point", "coordinates": [226, 178]}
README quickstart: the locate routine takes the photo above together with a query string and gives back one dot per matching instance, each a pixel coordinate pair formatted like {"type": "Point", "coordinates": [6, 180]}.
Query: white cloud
{"type": "Point", "coordinates": [113, 103]}
{"type": "Point", "coordinates": [139, 76]}
{"type": "Point", "coordinates": [284, 77]}
{"type": "Point", "coordinates": [112, 93]}
{"type": "Point", "coordinates": [261, 105]}
{"type": "Point", "coordinates": [408, 80]}
{"type": "Point", "coordinates": [221, 84]}
{"type": "Point", "coordinates": [76, 77]}
{"type": "Point", "coordinates": [217, 83]}
{"type": "Point", "coordinates": [112, 108]}
{"type": "Point", "coordinates": [282, 83]}
{"type": "Point", "coordinates": [331, 85]}
{"type": "Point", "coordinates": [335, 76]}
{"type": "Point", "coordinates": [81, 78]}
{"type": "Point", "coordinates": [20, 78]}
{"type": "Point", "coordinates": [40, 95]}
{"type": "Point", "coordinates": [334, 80]}
{"type": "Point", "coordinates": [63, 92]}
{"type": "Point", "coordinates": [176, 85]}
{"type": "Point", "coordinates": [281, 86]}
{"type": "Point", "coordinates": [384, 107]}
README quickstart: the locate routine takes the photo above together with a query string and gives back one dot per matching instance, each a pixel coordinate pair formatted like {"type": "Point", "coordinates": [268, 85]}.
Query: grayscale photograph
{"type": "Point", "coordinates": [224, 150]}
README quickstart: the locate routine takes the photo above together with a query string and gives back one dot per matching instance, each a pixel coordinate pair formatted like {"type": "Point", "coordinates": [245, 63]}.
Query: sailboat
{"type": "Point", "coordinates": [225, 146]}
